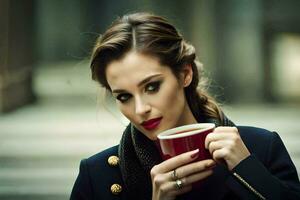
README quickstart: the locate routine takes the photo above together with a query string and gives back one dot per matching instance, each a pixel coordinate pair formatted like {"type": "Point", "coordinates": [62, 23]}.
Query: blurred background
{"type": "Point", "coordinates": [52, 114]}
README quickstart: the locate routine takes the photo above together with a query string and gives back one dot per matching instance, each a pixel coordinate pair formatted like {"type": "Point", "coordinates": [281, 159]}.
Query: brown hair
{"type": "Point", "coordinates": [154, 35]}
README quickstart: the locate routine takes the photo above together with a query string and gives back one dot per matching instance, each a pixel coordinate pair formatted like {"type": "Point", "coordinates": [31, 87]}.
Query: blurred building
{"type": "Point", "coordinates": [17, 39]}
{"type": "Point", "coordinates": [249, 48]}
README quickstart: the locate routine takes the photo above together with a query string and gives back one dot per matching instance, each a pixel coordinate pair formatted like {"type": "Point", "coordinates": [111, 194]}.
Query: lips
{"type": "Point", "coordinates": [152, 123]}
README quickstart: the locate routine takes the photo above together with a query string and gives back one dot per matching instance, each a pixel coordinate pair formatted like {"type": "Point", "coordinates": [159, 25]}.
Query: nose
{"type": "Point", "coordinates": [142, 107]}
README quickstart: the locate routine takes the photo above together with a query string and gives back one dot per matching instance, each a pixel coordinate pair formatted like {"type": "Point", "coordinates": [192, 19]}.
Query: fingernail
{"type": "Point", "coordinates": [195, 153]}
{"type": "Point", "coordinates": [210, 164]}
{"type": "Point", "coordinates": [211, 167]}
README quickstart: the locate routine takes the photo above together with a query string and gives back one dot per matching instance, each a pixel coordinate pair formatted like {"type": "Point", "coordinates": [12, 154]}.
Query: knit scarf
{"type": "Point", "coordinates": [138, 155]}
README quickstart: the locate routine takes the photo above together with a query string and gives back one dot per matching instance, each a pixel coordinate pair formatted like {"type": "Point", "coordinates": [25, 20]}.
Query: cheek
{"type": "Point", "coordinates": [171, 99]}
{"type": "Point", "coordinates": [126, 110]}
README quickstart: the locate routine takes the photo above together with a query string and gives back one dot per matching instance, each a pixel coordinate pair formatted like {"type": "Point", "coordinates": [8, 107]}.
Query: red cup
{"type": "Point", "coordinates": [185, 138]}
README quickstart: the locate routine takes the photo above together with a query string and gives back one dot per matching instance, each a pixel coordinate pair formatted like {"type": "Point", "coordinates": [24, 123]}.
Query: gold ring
{"type": "Point", "coordinates": [174, 175]}
{"type": "Point", "coordinates": [178, 184]}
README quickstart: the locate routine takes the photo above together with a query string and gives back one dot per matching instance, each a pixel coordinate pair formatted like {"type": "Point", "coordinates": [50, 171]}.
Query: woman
{"type": "Point", "coordinates": [153, 74]}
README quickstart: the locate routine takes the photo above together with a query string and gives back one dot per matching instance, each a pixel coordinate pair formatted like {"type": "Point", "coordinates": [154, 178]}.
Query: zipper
{"type": "Point", "coordinates": [247, 185]}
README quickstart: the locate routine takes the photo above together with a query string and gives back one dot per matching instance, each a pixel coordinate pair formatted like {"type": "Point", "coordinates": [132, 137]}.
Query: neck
{"type": "Point", "coordinates": [187, 117]}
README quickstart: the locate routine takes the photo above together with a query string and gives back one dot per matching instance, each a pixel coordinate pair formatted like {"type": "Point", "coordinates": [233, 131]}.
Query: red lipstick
{"type": "Point", "coordinates": [152, 123]}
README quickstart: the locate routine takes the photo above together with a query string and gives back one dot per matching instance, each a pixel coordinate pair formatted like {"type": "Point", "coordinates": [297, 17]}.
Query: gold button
{"type": "Point", "coordinates": [116, 189]}
{"type": "Point", "coordinates": [113, 160]}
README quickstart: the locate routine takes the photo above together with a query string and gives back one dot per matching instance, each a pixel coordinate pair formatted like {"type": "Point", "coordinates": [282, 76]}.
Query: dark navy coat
{"type": "Point", "coordinates": [268, 173]}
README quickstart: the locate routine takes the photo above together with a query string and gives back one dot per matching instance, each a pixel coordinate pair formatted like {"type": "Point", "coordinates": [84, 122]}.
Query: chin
{"type": "Point", "coordinates": [152, 136]}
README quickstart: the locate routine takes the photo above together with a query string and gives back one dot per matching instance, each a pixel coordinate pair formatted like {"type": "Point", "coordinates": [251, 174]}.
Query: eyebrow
{"type": "Point", "coordinates": [144, 81]}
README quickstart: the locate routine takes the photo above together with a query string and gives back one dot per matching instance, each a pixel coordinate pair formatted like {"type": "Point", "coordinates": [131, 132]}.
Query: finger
{"type": "Point", "coordinates": [197, 177]}
{"type": "Point", "coordinates": [226, 129]}
{"type": "Point", "coordinates": [218, 144]}
{"type": "Point", "coordinates": [193, 168]}
{"type": "Point", "coordinates": [183, 190]}
{"type": "Point", "coordinates": [171, 187]}
{"type": "Point", "coordinates": [220, 154]}
{"type": "Point", "coordinates": [221, 133]}
{"type": "Point", "coordinates": [187, 182]}
{"type": "Point", "coordinates": [215, 136]}
{"type": "Point", "coordinates": [177, 161]}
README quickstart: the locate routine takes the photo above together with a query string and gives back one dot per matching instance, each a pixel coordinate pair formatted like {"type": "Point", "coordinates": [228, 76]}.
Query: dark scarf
{"type": "Point", "coordinates": [138, 155]}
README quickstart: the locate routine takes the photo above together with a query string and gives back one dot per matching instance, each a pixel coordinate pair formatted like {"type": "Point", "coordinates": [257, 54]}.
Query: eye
{"type": "Point", "coordinates": [153, 87]}
{"type": "Point", "coordinates": [123, 97]}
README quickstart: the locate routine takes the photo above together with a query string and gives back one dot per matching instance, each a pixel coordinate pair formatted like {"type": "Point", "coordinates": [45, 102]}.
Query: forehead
{"type": "Point", "coordinates": [133, 68]}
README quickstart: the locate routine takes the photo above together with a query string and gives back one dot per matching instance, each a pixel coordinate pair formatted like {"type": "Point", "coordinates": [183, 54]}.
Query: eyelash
{"type": "Point", "coordinates": [155, 87]}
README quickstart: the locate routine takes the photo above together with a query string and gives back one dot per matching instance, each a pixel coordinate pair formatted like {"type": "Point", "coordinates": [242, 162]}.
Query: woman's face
{"type": "Point", "coordinates": [148, 94]}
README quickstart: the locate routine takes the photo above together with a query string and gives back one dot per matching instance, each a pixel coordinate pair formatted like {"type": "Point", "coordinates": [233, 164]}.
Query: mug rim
{"type": "Point", "coordinates": [167, 134]}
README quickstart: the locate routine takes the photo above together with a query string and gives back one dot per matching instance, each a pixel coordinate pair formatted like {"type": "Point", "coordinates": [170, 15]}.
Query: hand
{"type": "Point", "coordinates": [187, 171]}
{"type": "Point", "coordinates": [225, 144]}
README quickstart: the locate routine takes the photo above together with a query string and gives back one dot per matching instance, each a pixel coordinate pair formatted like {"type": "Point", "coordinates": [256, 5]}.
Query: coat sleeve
{"type": "Point", "coordinates": [276, 179]}
{"type": "Point", "coordinates": [82, 189]}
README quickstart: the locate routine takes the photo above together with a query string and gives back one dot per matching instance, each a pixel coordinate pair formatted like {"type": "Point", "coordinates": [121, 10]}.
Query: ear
{"type": "Point", "coordinates": [187, 75]}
